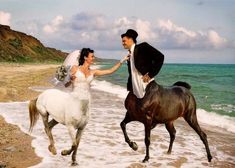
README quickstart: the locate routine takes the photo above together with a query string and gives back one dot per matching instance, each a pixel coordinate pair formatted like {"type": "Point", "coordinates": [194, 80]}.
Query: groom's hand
{"type": "Point", "coordinates": [146, 78]}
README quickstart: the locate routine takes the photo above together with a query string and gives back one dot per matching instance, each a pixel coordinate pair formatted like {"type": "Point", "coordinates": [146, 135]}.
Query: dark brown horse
{"type": "Point", "coordinates": [163, 105]}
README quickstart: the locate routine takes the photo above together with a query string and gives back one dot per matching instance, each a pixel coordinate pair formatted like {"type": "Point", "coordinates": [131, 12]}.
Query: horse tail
{"type": "Point", "coordinates": [33, 114]}
{"type": "Point", "coordinates": [184, 84]}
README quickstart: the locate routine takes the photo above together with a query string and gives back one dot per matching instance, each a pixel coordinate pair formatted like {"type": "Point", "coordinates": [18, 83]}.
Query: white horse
{"type": "Point", "coordinates": [70, 109]}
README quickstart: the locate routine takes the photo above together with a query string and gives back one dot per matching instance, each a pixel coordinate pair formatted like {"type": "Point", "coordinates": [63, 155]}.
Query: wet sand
{"type": "Point", "coordinates": [15, 146]}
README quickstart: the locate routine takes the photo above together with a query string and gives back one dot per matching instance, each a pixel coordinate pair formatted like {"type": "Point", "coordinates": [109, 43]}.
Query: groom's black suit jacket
{"type": "Point", "coordinates": [147, 59]}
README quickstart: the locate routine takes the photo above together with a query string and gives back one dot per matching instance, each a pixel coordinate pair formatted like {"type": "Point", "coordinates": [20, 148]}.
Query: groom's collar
{"type": "Point", "coordinates": [132, 48]}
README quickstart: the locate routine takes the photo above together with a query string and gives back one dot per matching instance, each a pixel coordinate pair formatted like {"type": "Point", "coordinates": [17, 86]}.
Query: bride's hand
{"type": "Point", "coordinates": [72, 77]}
{"type": "Point", "coordinates": [125, 59]}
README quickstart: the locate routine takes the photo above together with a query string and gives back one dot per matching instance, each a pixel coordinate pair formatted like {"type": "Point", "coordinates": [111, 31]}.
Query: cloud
{"type": "Point", "coordinates": [88, 21]}
{"type": "Point", "coordinates": [5, 18]}
{"type": "Point", "coordinates": [32, 27]}
{"type": "Point", "coordinates": [144, 30]}
{"type": "Point", "coordinates": [175, 36]}
{"type": "Point", "coordinates": [96, 31]}
{"type": "Point", "coordinates": [80, 30]}
{"type": "Point", "coordinates": [84, 30]}
{"type": "Point", "coordinates": [143, 27]}
{"type": "Point", "coordinates": [216, 40]}
{"type": "Point", "coordinates": [54, 25]}
{"type": "Point", "coordinates": [171, 27]}
{"type": "Point", "coordinates": [123, 23]}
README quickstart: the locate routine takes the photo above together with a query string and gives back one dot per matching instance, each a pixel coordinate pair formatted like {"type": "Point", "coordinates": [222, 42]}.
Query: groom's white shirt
{"type": "Point", "coordinates": [138, 84]}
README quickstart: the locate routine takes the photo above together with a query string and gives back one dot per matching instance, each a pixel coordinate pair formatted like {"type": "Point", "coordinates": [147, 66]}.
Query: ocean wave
{"type": "Point", "coordinates": [103, 144]}
{"type": "Point", "coordinates": [229, 108]}
{"type": "Point", "coordinates": [214, 119]}
{"type": "Point", "coordinates": [105, 86]}
{"type": "Point", "coordinates": [209, 118]}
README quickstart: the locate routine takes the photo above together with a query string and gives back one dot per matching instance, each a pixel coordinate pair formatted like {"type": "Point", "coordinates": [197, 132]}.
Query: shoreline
{"type": "Point", "coordinates": [221, 143]}
{"type": "Point", "coordinates": [39, 75]}
{"type": "Point", "coordinates": [14, 83]}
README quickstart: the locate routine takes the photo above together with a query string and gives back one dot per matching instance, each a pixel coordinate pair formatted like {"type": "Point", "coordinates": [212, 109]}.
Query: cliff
{"type": "Point", "coordinates": [19, 47]}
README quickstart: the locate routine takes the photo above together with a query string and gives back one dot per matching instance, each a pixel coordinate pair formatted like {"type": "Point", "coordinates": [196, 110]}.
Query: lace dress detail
{"type": "Point", "coordinates": [81, 85]}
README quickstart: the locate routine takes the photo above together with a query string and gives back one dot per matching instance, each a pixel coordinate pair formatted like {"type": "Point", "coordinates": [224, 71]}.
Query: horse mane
{"type": "Point", "coordinates": [184, 84]}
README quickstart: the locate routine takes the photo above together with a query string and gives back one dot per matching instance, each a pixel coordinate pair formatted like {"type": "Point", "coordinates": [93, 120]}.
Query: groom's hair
{"type": "Point", "coordinates": [84, 53]}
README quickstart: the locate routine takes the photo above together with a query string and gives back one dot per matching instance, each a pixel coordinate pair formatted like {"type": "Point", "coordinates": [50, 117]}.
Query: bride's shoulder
{"type": "Point", "coordinates": [93, 71]}
{"type": "Point", "coordinates": [74, 68]}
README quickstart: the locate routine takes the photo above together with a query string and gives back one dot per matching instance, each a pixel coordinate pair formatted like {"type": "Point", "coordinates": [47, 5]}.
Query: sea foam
{"type": "Point", "coordinates": [103, 144]}
{"type": "Point", "coordinates": [213, 119]}
{"type": "Point", "coordinates": [209, 118]}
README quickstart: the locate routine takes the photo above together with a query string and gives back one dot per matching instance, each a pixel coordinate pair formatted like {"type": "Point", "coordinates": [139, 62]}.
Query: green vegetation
{"type": "Point", "coordinates": [17, 43]}
{"type": "Point", "coordinates": [40, 50]}
{"type": "Point", "coordinates": [19, 47]}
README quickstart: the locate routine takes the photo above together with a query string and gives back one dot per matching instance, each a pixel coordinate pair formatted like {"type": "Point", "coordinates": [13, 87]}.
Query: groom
{"type": "Point", "coordinates": [145, 62]}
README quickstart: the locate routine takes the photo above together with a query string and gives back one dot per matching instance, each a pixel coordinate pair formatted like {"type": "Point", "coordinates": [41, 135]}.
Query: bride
{"type": "Point", "coordinates": [70, 109]}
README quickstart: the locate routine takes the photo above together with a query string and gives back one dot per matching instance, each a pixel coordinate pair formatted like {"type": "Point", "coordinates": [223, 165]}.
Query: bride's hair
{"type": "Point", "coordinates": [84, 53]}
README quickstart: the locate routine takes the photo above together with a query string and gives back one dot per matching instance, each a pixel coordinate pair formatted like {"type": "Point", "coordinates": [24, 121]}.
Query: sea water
{"type": "Point", "coordinates": [212, 85]}
{"type": "Point", "coordinates": [102, 143]}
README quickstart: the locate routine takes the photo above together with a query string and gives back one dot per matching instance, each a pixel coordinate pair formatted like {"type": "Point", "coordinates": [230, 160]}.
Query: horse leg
{"type": "Point", "coordinates": [171, 129]}
{"type": "Point", "coordinates": [52, 123]}
{"type": "Point", "coordinates": [48, 127]}
{"type": "Point", "coordinates": [72, 133]}
{"type": "Point", "coordinates": [125, 121]}
{"type": "Point", "coordinates": [147, 140]}
{"type": "Point", "coordinates": [191, 119]}
{"type": "Point", "coordinates": [78, 137]}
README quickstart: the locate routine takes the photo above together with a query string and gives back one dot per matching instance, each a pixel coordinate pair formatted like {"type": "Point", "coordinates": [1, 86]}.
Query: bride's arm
{"type": "Point", "coordinates": [73, 71]}
{"type": "Point", "coordinates": [99, 72]}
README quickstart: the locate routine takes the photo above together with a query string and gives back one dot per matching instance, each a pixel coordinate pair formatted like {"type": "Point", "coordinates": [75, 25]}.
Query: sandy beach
{"type": "Point", "coordinates": [15, 146]}
{"type": "Point", "coordinates": [16, 149]}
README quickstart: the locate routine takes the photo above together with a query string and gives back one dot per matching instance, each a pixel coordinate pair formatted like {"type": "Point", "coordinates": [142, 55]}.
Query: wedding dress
{"type": "Point", "coordinates": [81, 85]}
{"type": "Point", "coordinates": [68, 107]}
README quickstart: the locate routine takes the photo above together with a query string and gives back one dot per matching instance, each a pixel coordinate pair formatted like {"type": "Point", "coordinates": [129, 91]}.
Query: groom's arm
{"type": "Point", "coordinates": [157, 59]}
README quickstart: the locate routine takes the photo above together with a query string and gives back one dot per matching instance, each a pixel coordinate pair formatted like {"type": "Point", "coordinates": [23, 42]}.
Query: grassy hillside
{"type": "Point", "coordinates": [19, 47]}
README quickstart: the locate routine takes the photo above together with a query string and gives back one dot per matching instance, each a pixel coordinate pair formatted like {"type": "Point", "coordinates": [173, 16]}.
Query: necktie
{"type": "Point", "coordinates": [129, 52]}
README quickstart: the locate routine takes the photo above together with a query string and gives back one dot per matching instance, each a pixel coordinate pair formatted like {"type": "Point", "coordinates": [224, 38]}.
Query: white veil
{"type": "Point", "coordinates": [72, 59]}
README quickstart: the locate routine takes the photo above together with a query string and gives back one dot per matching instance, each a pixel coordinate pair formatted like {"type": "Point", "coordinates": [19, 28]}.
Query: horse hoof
{"type": "Point", "coordinates": [74, 163]}
{"type": "Point", "coordinates": [209, 158]}
{"type": "Point", "coordinates": [168, 152]}
{"type": "Point", "coordinates": [145, 159]}
{"type": "Point", "coordinates": [64, 152]}
{"type": "Point", "coordinates": [52, 149]}
{"type": "Point", "coordinates": [134, 146]}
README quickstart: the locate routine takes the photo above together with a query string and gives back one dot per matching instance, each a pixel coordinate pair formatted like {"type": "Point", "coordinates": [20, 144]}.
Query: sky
{"type": "Point", "coordinates": [185, 31]}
